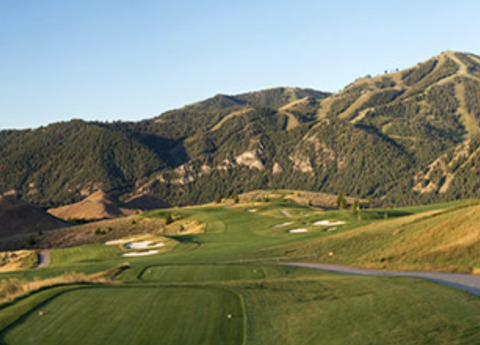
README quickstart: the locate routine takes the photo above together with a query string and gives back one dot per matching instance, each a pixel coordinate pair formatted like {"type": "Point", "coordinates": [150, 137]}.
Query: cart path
{"type": "Point", "coordinates": [43, 259]}
{"type": "Point", "coordinates": [286, 213]}
{"type": "Point", "coordinates": [466, 282]}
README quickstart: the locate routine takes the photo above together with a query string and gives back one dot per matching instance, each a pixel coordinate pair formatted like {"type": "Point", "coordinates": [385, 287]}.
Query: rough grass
{"type": "Point", "coordinates": [445, 240]}
{"type": "Point", "coordinates": [359, 310]}
{"type": "Point", "coordinates": [12, 289]}
{"type": "Point", "coordinates": [17, 260]}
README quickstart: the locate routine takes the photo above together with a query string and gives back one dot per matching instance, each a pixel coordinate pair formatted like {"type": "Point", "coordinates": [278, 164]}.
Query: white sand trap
{"type": "Point", "coordinates": [327, 223]}
{"type": "Point", "coordinates": [115, 242]}
{"type": "Point", "coordinates": [297, 231]}
{"type": "Point", "coordinates": [283, 224]}
{"type": "Point", "coordinates": [150, 252]}
{"type": "Point", "coordinates": [331, 229]}
{"type": "Point", "coordinates": [144, 245]}
{"type": "Point", "coordinates": [252, 210]}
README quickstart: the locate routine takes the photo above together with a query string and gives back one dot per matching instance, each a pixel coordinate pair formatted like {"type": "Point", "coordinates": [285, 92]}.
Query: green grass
{"type": "Point", "coordinates": [340, 309]}
{"type": "Point", "coordinates": [443, 241]}
{"type": "Point", "coordinates": [134, 316]}
{"type": "Point", "coordinates": [202, 273]}
{"type": "Point", "coordinates": [83, 254]}
{"type": "Point", "coordinates": [182, 296]}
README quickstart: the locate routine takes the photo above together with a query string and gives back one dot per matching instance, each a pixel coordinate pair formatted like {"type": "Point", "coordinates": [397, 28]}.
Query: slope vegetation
{"type": "Point", "coordinates": [402, 138]}
{"type": "Point", "coordinates": [445, 240]}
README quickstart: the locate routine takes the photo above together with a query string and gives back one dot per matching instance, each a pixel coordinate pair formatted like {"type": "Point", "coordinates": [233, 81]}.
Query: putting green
{"type": "Point", "coordinates": [185, 273]}
{"type": "Point", "coordinates": [134, 316]}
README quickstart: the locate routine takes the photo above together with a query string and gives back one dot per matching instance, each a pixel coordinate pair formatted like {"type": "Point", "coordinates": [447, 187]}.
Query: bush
{"type": "Point", "coordinates": [169, 219]}
{"type": "Point", "coordinates": [99, 232]}
{"type": "Point", "coordinates": [236, 199]}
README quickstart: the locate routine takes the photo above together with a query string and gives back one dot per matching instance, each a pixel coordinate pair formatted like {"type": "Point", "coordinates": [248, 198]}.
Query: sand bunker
{"type": "Point", "coordinates": [297, 231]}
{"type": "Point", "coordinates": [150, 252]}
{"type": "Point", "coordinates": [252, 210]}
{"type": "Point", "coordinates": [328, 223]}
{"type": "Point", "coordinates": [283, 224]}
{"type": "Point", "coordinates": [115, 242]}
{"type": "Point", "coordinates": [144, 245]}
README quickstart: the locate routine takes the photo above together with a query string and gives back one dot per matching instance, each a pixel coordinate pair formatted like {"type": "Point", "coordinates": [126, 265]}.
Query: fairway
{"type": "Point", "coordinates": [185, 273]}
{"type": "Point", "coordinates": [133, 316]}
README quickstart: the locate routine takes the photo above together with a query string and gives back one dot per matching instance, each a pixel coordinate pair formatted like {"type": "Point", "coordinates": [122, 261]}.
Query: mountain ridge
{"type": "Point", "coordinates": [402, 138]}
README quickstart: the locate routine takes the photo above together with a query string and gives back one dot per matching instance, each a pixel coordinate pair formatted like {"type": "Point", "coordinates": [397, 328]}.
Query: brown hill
{"type": "Point", "coordinates": [18, 218]}
{"type": "Point", "coordinates": [97, 206]}
{"type": "Point", "coordinates": [146, 202]}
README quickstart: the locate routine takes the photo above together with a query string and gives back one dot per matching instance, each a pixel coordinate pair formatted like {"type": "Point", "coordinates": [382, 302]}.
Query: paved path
{"type": "Point", "coordinates": [43, 259]}
{"type": "Point", "coordinates": [286, 213]}
{"type": "Point", "coordinates": [466, 282]}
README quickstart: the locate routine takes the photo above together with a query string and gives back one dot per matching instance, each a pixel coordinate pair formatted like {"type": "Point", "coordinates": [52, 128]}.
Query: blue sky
{"type": "Point", "coordinates": [116, 59]}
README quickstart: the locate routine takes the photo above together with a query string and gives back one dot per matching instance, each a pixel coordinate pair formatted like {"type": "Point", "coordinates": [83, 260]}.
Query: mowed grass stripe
{"type": "Point", "coordinates": [134, 316]}
{"type": "Point", "coordinates": [196, 273]}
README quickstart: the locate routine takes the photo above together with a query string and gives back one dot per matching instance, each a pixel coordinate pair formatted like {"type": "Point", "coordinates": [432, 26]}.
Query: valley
{"type": "Point", "coordinates": [224, 278]}
{"type": "Point", "coordinates": [280, 216]}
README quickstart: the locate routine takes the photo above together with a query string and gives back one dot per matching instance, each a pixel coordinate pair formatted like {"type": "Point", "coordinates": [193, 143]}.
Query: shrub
{"type": "Point", "coordinates": [99, 232]}
{"type": "Point", "coordinates": [236, 199]}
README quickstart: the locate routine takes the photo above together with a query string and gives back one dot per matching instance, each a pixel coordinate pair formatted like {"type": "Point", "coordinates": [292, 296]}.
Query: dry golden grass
{"type": "Point", "coordinates": [293, 104]}
{"type": "Point", "coordinates": [469, 121]}
{"type": "Point", "coordinates": [447, 240]}
{"type": "Point", "coordinates": [325, 106]}
{"type": "Point", "coordinates": [356, 105]}
{"type": "Point", "coordinates": [17, 260]}
{"type": "Point", "coordinates": [292, 120]}
{"type": "Point", "coordinates": [97, 206]}
{"type": "Point", "coordinates": [185, 227]}
{"type": "Point", "coordinates": [15, 288]}
{"type": "Point", "coordinates": [229, 116]}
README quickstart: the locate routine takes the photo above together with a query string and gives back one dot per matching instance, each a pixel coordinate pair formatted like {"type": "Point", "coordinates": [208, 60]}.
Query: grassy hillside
{"type": "Point", "coordinates": [438, 239]}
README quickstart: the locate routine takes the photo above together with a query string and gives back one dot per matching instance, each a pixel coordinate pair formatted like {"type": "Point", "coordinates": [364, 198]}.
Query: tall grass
{"type": "Point", "coordinates": [15, 288]}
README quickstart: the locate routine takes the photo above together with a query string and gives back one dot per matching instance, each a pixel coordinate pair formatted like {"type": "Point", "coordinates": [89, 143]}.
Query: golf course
{"type": "Point", "coordinates": [232, 282]}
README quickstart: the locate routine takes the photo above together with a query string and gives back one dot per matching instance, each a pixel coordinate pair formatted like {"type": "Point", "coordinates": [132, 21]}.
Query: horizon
{"type": "Point", "coordinates": [100, 62]}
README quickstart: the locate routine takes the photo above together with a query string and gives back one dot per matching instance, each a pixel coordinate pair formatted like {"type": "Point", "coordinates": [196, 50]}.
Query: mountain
{"type": "Point", "coordinates": [407, 137]}
{"type": "Point", "coordinates": [19, 218]}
